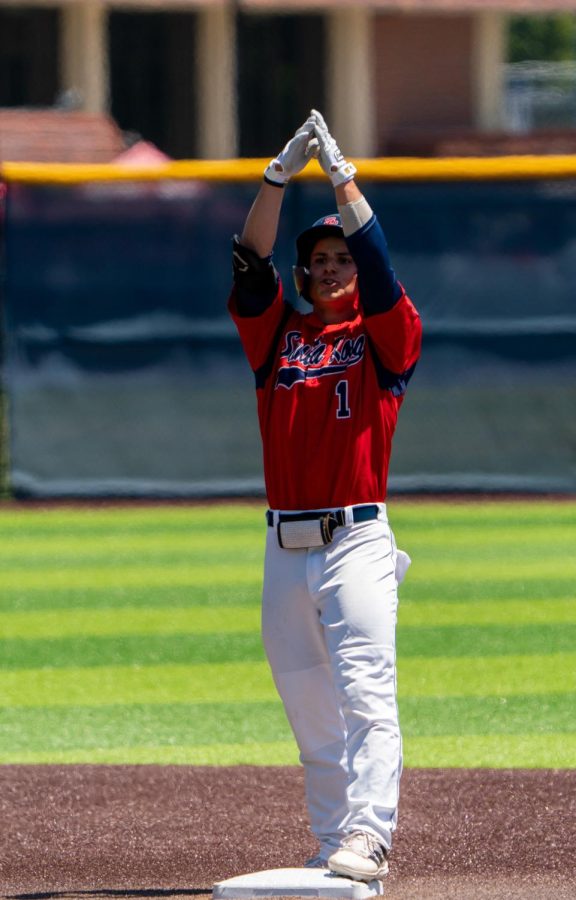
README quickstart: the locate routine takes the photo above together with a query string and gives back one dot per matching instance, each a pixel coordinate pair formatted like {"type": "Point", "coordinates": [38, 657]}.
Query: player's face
{"type": "Point", "coordinates": [333, 276]}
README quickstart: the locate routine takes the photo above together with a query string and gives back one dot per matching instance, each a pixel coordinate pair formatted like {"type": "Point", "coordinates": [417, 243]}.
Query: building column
{"type": "Point", "coordinates": [350, 80]}
{"type": "Point", "coordinates": [488, 59]}
{"type": "Point", "coordinates": [84, 54]}
{"type": "Point", "coordinates": [216, 82]}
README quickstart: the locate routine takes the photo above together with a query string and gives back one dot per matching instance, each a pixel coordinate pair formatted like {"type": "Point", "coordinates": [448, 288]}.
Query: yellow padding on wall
{"type": "Point", "coordinates": [381, 169]}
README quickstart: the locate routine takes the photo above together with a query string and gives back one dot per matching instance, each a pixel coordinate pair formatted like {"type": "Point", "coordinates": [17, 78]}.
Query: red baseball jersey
{"type": "Point", "coordinates": [328, 399]}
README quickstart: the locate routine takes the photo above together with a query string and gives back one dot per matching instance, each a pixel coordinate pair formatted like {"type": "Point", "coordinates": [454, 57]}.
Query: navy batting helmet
{"type": "Point", "coordinates": [327, 226]}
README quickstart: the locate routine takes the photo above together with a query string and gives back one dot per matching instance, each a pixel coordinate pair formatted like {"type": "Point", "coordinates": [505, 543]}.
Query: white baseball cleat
{"type": "Point", "coordinates": [361, 857]}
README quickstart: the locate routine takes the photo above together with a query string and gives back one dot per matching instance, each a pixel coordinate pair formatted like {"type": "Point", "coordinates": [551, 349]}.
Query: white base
{"type": "Point", "coordinates": [295, 883]}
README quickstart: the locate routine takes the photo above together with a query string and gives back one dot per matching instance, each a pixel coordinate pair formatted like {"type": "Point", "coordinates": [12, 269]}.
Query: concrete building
{"type": "Point", "coordinates": [217, 79]}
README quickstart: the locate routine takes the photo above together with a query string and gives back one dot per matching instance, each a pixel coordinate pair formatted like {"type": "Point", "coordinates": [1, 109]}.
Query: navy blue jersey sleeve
{"type": "Point", "coordinates": [377, 282]}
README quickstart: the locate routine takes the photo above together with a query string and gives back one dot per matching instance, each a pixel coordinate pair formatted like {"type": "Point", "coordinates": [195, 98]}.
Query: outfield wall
{"type": "Point", "coordinates": [125, 376]}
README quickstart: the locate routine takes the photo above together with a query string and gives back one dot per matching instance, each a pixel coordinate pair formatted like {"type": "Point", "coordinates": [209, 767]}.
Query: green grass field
{"type": "Point", "coordinates": [131, 635]}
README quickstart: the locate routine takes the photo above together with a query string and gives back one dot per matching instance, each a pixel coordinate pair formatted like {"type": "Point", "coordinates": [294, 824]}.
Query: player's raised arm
{"type": "Point", "coordinates": [261, 226]}
{"type": "Point", "coordinates": [379, 287]}
{"type": "Point", "coordinates": [256, 281]}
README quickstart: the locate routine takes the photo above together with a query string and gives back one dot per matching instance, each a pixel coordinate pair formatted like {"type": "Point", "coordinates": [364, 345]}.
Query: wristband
{"type": "Point", "coordinates": [278, 184]}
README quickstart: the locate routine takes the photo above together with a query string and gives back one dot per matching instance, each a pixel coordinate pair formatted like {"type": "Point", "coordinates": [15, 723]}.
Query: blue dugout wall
{"type": "Point", "coordinates": [125, 376]}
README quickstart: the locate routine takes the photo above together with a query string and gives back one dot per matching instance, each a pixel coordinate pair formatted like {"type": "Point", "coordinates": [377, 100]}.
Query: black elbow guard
{"type": "Point", "coordinates": [252, 272]}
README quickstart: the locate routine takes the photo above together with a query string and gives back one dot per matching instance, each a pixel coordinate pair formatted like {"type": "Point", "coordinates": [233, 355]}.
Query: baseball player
{"type": "Point", "coordinates": [329, 387]}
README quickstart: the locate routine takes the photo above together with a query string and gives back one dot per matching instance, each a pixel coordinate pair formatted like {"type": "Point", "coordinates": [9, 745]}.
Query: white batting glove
{"type": "Point", "coordinates": [295, 156]}
{"type": "Point", "coordinates": [338, 170]}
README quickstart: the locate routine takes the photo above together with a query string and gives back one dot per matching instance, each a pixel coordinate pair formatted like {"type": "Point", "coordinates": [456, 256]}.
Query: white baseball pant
{"type": "Point", "coordinates": [328, 627]}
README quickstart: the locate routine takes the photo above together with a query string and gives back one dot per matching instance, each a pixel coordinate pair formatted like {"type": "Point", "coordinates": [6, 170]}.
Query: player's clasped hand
{"type": "Point", "coordinates": [338, 170]}
{"type": "Point", "coordinates": [295, 156]}
{"type": "Point", "coordinates": [311, 140]}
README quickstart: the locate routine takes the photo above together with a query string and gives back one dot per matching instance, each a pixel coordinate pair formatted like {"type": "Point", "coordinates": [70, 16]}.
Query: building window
{"type": "Point", "coordinates": [281, 63]}
{"type": "Point", "coordinates": [28, 56]}
{"type": "Point", "coordinates": [152, 74]}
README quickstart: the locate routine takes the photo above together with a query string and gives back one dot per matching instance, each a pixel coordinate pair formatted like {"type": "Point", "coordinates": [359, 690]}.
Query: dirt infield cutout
{"type": "Point", "coordinates": [172, 831]}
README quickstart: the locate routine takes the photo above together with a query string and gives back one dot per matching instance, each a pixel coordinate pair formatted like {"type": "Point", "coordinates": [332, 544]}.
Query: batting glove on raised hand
{"type": "Point", "coordinates": [295, 156]}
{"type": "Point", "coordinates": [338, 170]}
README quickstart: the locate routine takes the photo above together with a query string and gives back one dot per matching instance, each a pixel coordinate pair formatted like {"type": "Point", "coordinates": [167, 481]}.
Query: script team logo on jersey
{"type": "Point", "coordinates": [302, 362]}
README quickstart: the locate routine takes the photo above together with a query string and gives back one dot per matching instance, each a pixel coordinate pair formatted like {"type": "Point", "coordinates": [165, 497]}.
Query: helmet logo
{"type": "Point", "coordinates": [331, 220]}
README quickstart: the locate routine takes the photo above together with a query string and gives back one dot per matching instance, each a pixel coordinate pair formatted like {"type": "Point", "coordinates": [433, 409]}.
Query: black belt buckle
{"type": "Point", "coordinates": [328, 524]}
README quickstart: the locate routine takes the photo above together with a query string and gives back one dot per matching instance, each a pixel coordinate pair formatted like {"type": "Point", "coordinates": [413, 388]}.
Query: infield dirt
{"type": "Point", "coordinates": [172, 831]}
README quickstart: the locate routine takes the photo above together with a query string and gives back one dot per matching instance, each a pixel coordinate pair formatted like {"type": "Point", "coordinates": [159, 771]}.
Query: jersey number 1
{"type": "Point", "coordinates": [341, 391]}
